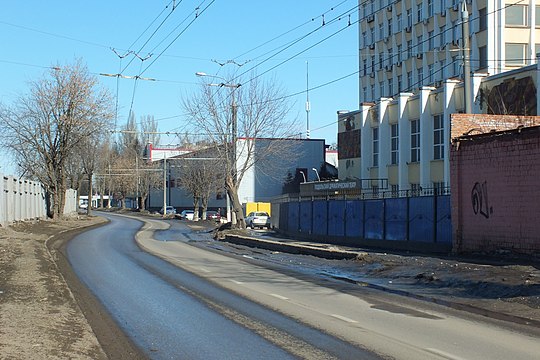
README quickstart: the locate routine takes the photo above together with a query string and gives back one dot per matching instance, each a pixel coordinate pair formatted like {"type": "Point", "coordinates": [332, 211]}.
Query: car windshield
{"type": "Point", "coordinates": [261, 214]}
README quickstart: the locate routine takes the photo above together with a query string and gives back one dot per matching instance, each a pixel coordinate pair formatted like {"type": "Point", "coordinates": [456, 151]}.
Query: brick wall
{"type": "Point", "coordinates": [495, 185]}
{"type": "Point", "coordinates": [465, 124]}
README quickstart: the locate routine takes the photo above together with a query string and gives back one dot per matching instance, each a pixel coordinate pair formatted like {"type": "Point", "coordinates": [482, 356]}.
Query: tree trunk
{"type": "Point", "coordinates": [195, 208]}
{"type": "Point", "coordinates": [90, 196]}
{"type": "Point", "coordinates": [204, 205]}
{"type": "Point", "coordinates": [237, 206]}
{"type": "Point", "coordinates": [143, 202]}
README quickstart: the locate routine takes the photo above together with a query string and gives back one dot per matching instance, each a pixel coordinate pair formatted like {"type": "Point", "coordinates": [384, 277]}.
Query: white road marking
{"type": "Point", "coordinates": [346, 319]}
{"type": "Point", "coordinates": [443, 354]}
{"type": "Point", "coordinates": [279, 297]}
{"type": "Point", "coordinates": [237, 282]}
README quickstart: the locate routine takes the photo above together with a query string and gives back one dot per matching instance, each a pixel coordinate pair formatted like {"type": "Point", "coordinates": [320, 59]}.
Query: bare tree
{"type": "Point", "coordinates": [201, 178]}
{"type": "Point", "coordinates": [43, 127]}
{"type": "Point", "coordinates": [254, 110]}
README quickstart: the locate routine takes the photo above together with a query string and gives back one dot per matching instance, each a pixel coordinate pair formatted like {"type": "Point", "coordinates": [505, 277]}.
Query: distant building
{"type": "Point", "coordinates": [264, 177]}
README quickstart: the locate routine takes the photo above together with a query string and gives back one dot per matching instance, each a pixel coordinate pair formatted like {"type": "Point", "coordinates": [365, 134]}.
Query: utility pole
{"type": "Point", "coordinates": [308, 107]}
{"type": "Point", "coordinates": [466, 58]}
{"type": "Point", "coordinates": [164, 186]}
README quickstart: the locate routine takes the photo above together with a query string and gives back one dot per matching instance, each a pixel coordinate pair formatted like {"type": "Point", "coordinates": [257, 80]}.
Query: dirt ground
{"type": "Point", "coordinates": [41, 317]}
{"type": "Point", "coordinates": [45, 312]}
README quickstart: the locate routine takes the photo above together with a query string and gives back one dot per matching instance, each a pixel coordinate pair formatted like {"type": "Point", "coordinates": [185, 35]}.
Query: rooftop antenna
{"type": "Point", "coordinates": [308, 107]}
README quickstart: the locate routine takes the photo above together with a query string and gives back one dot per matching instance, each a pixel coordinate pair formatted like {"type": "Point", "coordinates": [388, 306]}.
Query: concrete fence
{"type": "Point", "coordinates": [22, 199]}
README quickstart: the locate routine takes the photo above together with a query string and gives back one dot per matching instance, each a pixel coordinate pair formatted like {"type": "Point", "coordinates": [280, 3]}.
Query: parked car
{"type": "Point", "coordinates": [258, 219]}
{"type": "Point", "coordinates": [170, 210]}
{"type": "Point", "coordinates": [213, 215]}
{"type": "Point", "coordinates": [187, 214]}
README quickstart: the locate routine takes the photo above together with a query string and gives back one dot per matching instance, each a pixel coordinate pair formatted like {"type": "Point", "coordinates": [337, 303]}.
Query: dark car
{"type": "Point", "coordinates": [213, 215]}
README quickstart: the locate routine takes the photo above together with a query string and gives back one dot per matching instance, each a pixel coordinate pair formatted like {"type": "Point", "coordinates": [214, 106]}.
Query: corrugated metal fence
{"type": "Point", "coordinates": [22, 199]}
{"type": "Point", "coordinates": [419, 223]}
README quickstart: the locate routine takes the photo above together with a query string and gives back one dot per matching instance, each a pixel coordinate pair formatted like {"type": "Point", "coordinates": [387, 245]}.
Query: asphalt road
{"type": "Point", "coordinates": [195, 303]}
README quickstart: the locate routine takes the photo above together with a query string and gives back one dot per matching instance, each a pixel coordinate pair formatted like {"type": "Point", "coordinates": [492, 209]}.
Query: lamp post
{"type": "Point", "coordinates": [234, 131]}
{"type": "Point", "coordinates": [316, 172]}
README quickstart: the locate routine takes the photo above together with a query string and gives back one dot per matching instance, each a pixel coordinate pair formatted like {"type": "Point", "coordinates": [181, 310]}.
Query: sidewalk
{"type": "Point", "coordinates": [503, 287]}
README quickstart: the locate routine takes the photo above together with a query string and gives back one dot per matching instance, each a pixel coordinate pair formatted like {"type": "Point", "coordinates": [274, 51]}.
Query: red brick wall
{"type": "Point", "coordinates": [462, 124]}
{"type": "Point", "coordinates": [495, 185]}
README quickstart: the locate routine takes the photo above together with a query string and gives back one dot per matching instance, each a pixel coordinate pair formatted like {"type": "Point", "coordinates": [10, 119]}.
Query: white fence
{"type": "Point", "coordinates": [22, 199]}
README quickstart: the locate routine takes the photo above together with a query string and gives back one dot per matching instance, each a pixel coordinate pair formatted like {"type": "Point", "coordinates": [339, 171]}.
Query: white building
{"type": "Point", "coordinates": [265, 176]}
{"type": "Point", "coordinates": [407, 44]}
{"type": "Point", "coordinates": [411, 83]}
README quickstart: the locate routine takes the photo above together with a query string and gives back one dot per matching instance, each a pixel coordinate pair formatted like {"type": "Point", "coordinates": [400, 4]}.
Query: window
{"type": "Point", "coordinates": [431, 40]}
{"type": "Point", "coordinates": [415, 140]}
{"type": "Point", "coordinates": [420, 47]}
{"type": "Point", "coordinates": [365, 94]}
{"type": "Point", "coordinates": [482, 54]}
{"type": "Point", "coordinates": [381, 59]}
{"type": "Point", "coordinates": [455, 65]}
{"type": "Point", "coordinates": [537, 16]}
{"type": "Point", "coordinates": [381, 89]}
{"type": "Point", "coordinates": [419, 12]}
{"type": "Point", "coordinates": [443, 70]}
{"type": "Point", "coordinates": [399, 53]}
{"type": "Point", "coordinates": [455, 33]}
{"type": "Point", "coordinates": [372, 34]}
{"type": "Point", "coordinates": [438, 137]}
{"type": "Point", "coordinates": [409, 17]}
{"type": "Point", "coordinates": [394, 144]}
{"type": "Point", "coordinates": [389, 27]}
{"type": "Point", "coordinates": [420, 77]}
{"type": "Point", "coordinates": [390, 55]}
{"type": "Point", "coordinates": [482, 19]}
{"type": "Point", "coordinates": [430, 8]}
{"type": "Point", "coordinates": [373, 63]}
{"type": "Point", "coordinates": [390, 87]}
{"type": "Point", "coordinates": [409, 80]}
{"type": "Point", "coordinates": [443, 36]}
{"type": "Point", "coordinates": [409, 49]}
{"type": "Point", "coordinates": [516, 15]}
{"type": "Point", "coordinates": [381, 31]}
{"type": "Point", "coordinates": [515, 54]}
{"type": "Point", "coordinates": [399, 22]}
{"type": "Point", "coordinates": [431, 71]}
{"type": "Point", "coordinates": [364, 38]}
{"type": "Point", "coordinates": [375, 146]}
{"type": "Point", "coordinates": [399, 83]}
{"type": "Point", "coordinates": [364, 65]}
{"type": "Point", "coordinates": [537, 49]}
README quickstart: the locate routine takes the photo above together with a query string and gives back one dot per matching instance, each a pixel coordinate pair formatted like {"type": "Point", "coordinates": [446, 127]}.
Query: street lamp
{"type": "Point", "coordinates": [316, 172]}
{"type": "Point", "coordinates": [234, 129]}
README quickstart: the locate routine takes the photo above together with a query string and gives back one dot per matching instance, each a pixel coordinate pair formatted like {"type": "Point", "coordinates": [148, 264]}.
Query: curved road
{"type": "Point", "coordinates": [190, 302]}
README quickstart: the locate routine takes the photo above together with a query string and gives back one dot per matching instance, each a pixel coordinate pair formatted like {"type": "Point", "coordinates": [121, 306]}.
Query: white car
{"type": "Point", "coordinates": [170, 210]}
{"type": "Point", "coordinates": [258, 219]}
{"type": "Point", "coordinates": [187, 214]}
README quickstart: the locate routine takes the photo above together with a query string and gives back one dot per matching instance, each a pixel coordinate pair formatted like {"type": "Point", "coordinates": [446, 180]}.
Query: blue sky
{"type": "Point", "coordinates": [37, 34]}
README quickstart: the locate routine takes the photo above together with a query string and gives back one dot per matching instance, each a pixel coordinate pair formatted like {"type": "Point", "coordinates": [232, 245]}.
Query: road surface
{"type": "Point", "coordinates": [193, 302]}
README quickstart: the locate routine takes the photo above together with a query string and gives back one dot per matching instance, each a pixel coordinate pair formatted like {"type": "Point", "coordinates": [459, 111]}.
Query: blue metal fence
{"type": "Point", "coordinates": [421, 220]}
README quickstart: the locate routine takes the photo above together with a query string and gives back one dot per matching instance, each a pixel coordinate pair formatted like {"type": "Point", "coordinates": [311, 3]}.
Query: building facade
{"type": "Point", "coordinates": [407, 44]}
{"type": "Point", "coordinates": [411, 86]}
{"type": "Point", "coordinates": [403, 143]}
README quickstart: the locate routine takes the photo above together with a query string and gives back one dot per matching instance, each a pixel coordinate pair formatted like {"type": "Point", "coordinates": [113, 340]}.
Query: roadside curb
{"type": "Point", "coordinates": [336, 254]}
{"type": "Point", "coordinates": [293, 248]}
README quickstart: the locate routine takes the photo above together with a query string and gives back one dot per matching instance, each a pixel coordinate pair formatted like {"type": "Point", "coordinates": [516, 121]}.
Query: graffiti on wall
{"type": "Point", "coordinates": [479, 198]}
